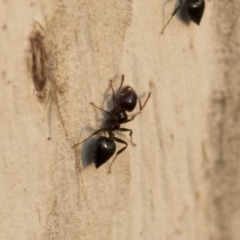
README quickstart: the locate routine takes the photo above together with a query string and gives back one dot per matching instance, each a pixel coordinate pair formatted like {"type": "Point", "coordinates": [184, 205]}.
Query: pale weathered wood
{"type": "Point", "coordinates": [180, 182]}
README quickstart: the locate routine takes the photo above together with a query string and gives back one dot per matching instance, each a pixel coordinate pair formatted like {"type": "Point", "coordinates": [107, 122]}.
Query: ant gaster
{"type": "Point", "coordinates": [195, 10]}
{"type": "Point", "coordinates": [124, 100]}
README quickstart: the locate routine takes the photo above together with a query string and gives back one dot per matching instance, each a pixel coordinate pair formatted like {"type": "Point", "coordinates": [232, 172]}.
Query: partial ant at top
{"type": "Point", "coordinates": [124, 100]}
{"type": "Point", "coordinates": [195, 10]}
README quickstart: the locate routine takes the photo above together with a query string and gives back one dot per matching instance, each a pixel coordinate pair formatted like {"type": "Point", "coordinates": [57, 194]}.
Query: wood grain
{"type": "Point", "coordinates": [180, 182]}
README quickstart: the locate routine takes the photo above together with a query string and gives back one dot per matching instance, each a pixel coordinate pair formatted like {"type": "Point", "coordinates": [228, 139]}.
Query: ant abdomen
{"type": "Point", "coordinates": [195, 10]}
{"type": "Point", "coordinates": [103, 150]}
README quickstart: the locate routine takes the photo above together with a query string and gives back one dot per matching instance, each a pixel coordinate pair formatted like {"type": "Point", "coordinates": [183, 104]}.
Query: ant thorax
{"type": "Point", "coordinates": [119, 116]}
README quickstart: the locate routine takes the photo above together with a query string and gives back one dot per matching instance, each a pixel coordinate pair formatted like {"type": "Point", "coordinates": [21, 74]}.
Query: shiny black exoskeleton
{"type": "Point", "coordinates": [104, 150]}
{"type": "Point", "coordinates": [195, 10]}
{"type": "Point", "coordinates": [124, 100]}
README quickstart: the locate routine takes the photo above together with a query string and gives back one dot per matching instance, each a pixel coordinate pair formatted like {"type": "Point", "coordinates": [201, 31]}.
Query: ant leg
{"type": "Point", "coordinates": [140, 104]}
{"type": "Point", "coordinates": [174, 12]}
{"type": "Point", "coordinates": [130, 134]}
{"type": "Point", "coordinates": [100, 108]}
{"type": "Point", "coordinates": [76, 144]}
{"type": "Point", "coordinates": [118, 152]}
{"type": "Point", "coordinates": [132, 118]}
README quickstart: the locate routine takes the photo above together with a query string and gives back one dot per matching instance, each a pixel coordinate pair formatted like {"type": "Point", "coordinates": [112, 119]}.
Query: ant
{"type": "Point", "coordinates": [124, 100]}
{"type": "Point", "coordinates": [195, 10]}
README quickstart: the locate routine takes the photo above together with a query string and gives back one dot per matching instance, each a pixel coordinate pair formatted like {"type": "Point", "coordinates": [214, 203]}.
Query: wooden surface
{"type": "Point", "coordinates": [181, 181]}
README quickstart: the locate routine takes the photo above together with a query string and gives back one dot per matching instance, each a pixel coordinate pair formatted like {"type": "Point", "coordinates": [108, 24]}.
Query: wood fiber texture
{"type": "Point", "coordinates": [181, 181]}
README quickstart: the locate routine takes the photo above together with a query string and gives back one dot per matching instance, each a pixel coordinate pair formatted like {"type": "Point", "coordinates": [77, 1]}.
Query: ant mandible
{"type": "Point", "coordinates": [124, 100]}
{"type": "Point", "coordinates": [195, 10]}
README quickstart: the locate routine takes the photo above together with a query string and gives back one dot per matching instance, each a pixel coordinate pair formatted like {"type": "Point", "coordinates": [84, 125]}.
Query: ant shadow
{"type": "Point", "coordinates": [89, 147]}
{"type": "Point", "coordinates": [87, 156]}
{"type": "Point", "coordinates": [107, 101]}
{"type": "Point", "coordinates": [182, 13]}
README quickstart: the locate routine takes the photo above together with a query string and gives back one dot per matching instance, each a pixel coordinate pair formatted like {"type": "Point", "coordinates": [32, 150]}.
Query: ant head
{"type": "Point", "coordinates": [196, 9]}
{"type": "Point", "coordinates": [103, 150]}
{"type": "Point", "coordinates": [127, 99]}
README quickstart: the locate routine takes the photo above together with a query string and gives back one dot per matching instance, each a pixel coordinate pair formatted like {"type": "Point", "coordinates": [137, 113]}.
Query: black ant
{"type": "Point", "coordinates": [195, 10]}
{"type": "Point", "coordinates": [125, 100]}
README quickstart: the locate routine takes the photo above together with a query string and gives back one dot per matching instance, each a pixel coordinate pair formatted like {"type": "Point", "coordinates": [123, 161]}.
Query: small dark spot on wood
{"type": "Point", "coordinates": [4, 74]}
{"type": "Point", "coordinates": [4, 26]}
